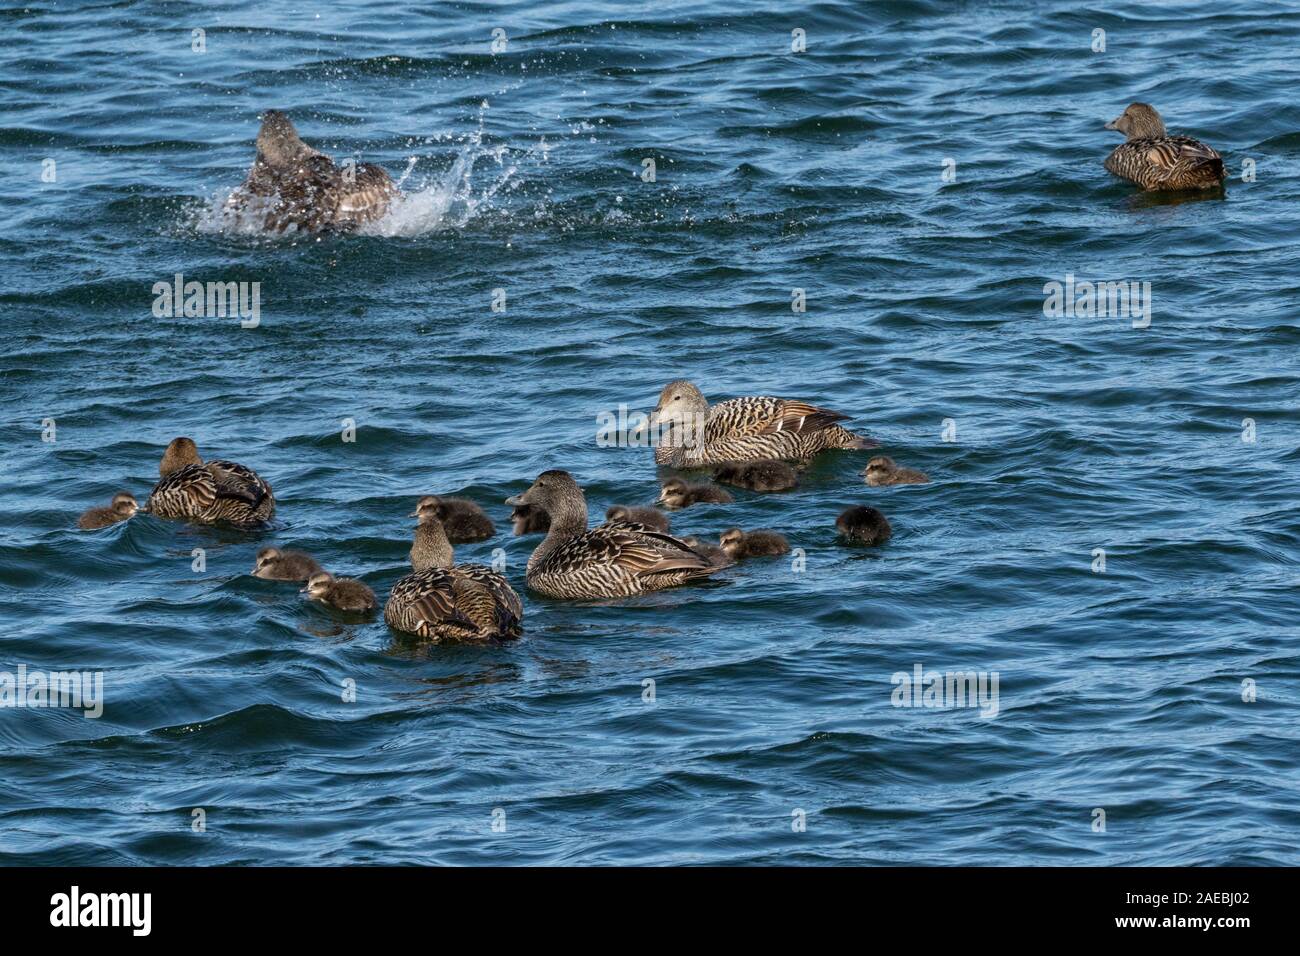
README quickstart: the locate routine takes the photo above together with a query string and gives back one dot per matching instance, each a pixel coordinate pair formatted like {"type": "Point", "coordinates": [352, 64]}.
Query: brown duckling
{"type": "Point", "coordinates": [463, 520]}
{"type": "Point", "coordinates": [346, 594]}
{"type": "Point", "coordinates": [652, 518]}
{"type": "Point", "coordinates": [676, 494]}
{"type": "Point", "coordinates": [528, 519]}
{"type": "Point", "coordinates": [120, 508]}
{"type": "Point", "coordinates": [769, 475]}
{"type": "Point", "coordinates": [273, 564]}
{"type": "Point", "coordinates": [753, 544]}
{"type": "Point", "coordinates": [863, 524]}
{"type": "Point", "coordinates": [715, 555]}
{"type": "Point", "coordinates": [883, 471]}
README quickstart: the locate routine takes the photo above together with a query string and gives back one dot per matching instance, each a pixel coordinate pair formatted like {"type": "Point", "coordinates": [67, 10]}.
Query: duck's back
{"type": "Point", "coordinates": [616, 559]}
{"type": "Point", "coordinates": [1167, 162]}
{"type": "Point", "coordinates": [468, 602]}
{"type": "Point", "coordinates": [219, 490]}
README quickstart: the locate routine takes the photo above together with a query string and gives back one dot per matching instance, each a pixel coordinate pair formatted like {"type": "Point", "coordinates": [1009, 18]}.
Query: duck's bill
{"type": "Point", "coordinates": [1111, 124]}
{"type": "Point", "coordinates": [516, 500]}
{"type": "Point", "coordinates": [414, 514]}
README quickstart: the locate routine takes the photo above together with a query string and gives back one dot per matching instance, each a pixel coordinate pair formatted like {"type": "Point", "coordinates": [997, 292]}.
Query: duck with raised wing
{"type": "Point", "coordinates": [443, 601]}
{"type": "Point", "coordinates": [1154, 160]}
{"type": "Point", "coordinates": [616, 559]}
{"type": "Point", "coordinates": [210, 492]}
{"type": "Point", "coordinates": [463, 520]}
{"type": "Point", "coordinates": [691, 433]}
{"type": "Point", "coordinates": [293, 185]}
{"type": "Point", "coordinates": [122, 506]}
{"type": "Point", "coordinates": [343, 594]}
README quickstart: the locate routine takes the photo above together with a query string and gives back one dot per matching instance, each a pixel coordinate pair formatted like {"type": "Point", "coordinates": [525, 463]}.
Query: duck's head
{"type": "Point", "coordinates": [278, 143]}
{"type": "Point", "coordinates": [1138, 121]}
{"type": "Point", "coordinates": [556, 493]}
{"type": "Point", "coordinates": [428, 505]}
{"type": "Point", "coordinates": [673, 493]}
{"type": "Point", "coordinates": [431, 548]}
{"type": "Point", "coordinates": [730, 540]}
{"type": "Point", "coordinates": [880, 465]}
{"type": "Point", "coordinates": [318, 584]}
{"type": "Point", "coordinates": [680, 402]}
{"type": "Point", "coordinates": [265, 558]}
{"type": "Point", "coordinates": [124, 504]}
{"type": "Point", "coordinates": [181, 452]}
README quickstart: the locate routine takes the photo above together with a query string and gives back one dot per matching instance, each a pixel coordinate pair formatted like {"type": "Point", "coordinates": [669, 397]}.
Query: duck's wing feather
{"type": "Point", "coordinates": [508, 609]}
{"type": "Point", "coordinates": [763, 415]}
{"type": "Point", "coordinates": [642, 550]}
{"type": "Point", "coordinates": [236, 482]}
{"type": "Point", "coordinates": [187, 491]}
{"type": "Point", "coordinates": [365, 196]}
{"type": "Point", "coordinates": [428, 598]}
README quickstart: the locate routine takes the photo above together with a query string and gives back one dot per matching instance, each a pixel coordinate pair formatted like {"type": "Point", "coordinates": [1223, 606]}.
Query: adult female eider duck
{"type": "Point", "coordinates": [753, 428]}
{"type": "Point", "coordinates": [300, 187]}
{"type": "Point", "coordinates": [218, 490]}
{"type": "Point", "coordinates": [345, 594]}
{"type": "Point", "coordinates": [462, 520]}
{"type": "Point", "coordinates": [120, 508]}
{"type": "Point", "coordinates": [1155, 160]}
{"type": "Point", "coordinates": [442, 601]}
{"type": "Point", "coordinates": [616, 559]}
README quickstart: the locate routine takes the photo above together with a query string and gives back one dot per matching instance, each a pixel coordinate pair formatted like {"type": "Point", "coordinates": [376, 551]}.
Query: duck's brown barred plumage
{"type": "Point", "coordinates": [616, 559]}
{"type": "Point", "coordinates": [209, 492]}
{"type": "Point", "coordinates": [301, 187]}
{"type": "Point", "coordinates": [753, 428]}
{"type": "Point", "coordinates": [1155, 160]}
{"type": "Point", "coordinates": [444, 601]}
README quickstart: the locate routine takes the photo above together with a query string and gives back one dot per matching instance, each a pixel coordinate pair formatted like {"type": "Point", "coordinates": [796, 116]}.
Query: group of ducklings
{"type": "Point", "coordinates": [633, 552]}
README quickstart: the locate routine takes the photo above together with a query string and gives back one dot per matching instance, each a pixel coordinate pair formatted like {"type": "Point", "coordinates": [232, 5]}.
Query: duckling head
{"type": "Point", "coordinates": [318, 584]}
{"type": "Point", "coordinates": [124, 504]}
{"type": "Point", "coordinates": [880, 465]}
{"type": "Point", "coordinates": [431, 548]}
{"type": "Point", "coordinates": [1138, 121]}
{"type": "Point", "coordinates": [181, 452]}
{"type": "Point", "coordinates": [673, 493]}
{"type": "Point", "coordinates": [730, 540]}
{"type": "Point", "coordinates": [278, 142]}
{"type": "Point", "coordinates": [556, 493]}
{"type": "Point", "coordinates": [618, 513]}
{"type": "Point", "coordinates": [265, 558]}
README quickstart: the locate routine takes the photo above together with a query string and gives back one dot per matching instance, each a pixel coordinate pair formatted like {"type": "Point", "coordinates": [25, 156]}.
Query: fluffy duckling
{"type": "Point", "coordinates": [863, 524]}
{"type": "Point", "coordinates": [529, 520]}
{"type": "Point", "coordinates": [440, 600]}
{"type": "Point", "coordinates": [652, 518]}
{"type": "Point", "coordinates": [770, 475]}
{"type": "Point", "coordinates": [272, 564]}
{"type": "Point", "coordinates": [753, 544]}
{"type": "Point", "coordinates": [883, 471]}
{"type": "Point", "coordinates": [676, 494]}
{"type": "Point", "coordinates": [691, 432]}
{"type": "Point", "coordinates": [608, 561]}
{"type": "Point", "coordinates": [300, 187]}
{"type": "Point", "coordinates": [715, 555]}
{"type": "Point", "coordinates": [463, 520]}
{"type": "Point", "coordinates": [217, 490]}
{"type": "Point", "coordinates": [345, 594]}
{"type": "Point", "coordinates": [1153, 159]}
{"type": "Point", "coordinates": [120, 508]}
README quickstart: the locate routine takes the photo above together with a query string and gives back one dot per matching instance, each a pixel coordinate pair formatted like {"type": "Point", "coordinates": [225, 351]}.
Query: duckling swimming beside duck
{"type": "Point", "coordinates": [608, 561]}
{"type": "Point", "coordinates": [462, 520]}
{"type": "Point", "coordinates": [769, 475]}
{"type": "Point", "coordinates": [864, 525]}
{"type": "Point", "coordinates": [715, 555]}
{"type": "Point", "coordinates": [525, 519]}
{"type": "Point", "coordinates": [652, 518]}
{"type": "Point", "coordinates": [443, 601]}
{"type": "Point", "coordinates": [302, 188]}
{"type": "Point", "coordinates": [272, 564]}
{"type": "Point", "coordinates": [1154, 160]}
{"type": "Point", "coordinates": [122, 506]}
{"type": "Point", "coordinates": [752, 428]}
{"type": "Point", "coordinates": [753, 544]}
{"type": "Point", "coordinates": [344, 594]}
{"type": "Point", "coordinates": [207, 493]}
{"type": "Point", "coordinates": [883, 471]}
{"type": "Point", "coordinates": [676, 494]}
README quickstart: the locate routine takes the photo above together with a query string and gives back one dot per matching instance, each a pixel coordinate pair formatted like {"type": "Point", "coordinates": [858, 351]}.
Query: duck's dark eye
{"type": "Point", "coordinates": [676, 398]}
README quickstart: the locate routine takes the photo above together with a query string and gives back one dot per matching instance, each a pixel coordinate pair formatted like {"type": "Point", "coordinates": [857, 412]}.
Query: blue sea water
{"type": "Point", "coordinates": [922, 170]}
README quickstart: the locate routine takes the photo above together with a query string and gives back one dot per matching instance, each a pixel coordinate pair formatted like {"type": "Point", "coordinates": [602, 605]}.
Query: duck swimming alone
{"type": "Point", "coordinates": [1155, 160]}
{"type": "Point", "coordinates": [443, 601]}
{"type": "Point", "coordinates": [120, 508]}
{"type": "Point", "coordinates": [345, 594]}
{"type": "Point", "coordinates": [616, 559]}
{"type": "Point", "coordinates": [742, 429]}
{"type": "Point", "coordinates": [219, 490]}
{"type": "Point", "coordinates": [303, 188]}
{"type": "Point", "coordinates": [462, 520]}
